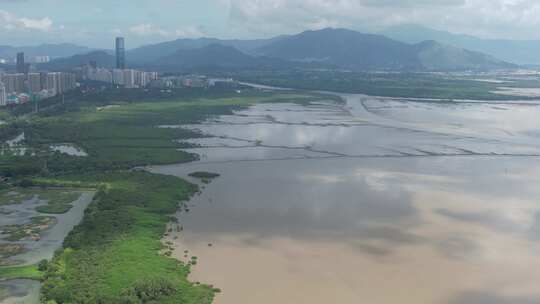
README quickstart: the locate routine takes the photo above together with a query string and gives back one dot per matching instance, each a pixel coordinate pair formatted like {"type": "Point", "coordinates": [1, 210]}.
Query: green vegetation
{"type": "Point", "coordinates": [21, 272]}
{"type": "Point", "coordinates": [118, 243]}
{"type": "Point", "coordinates": [123, 137]}
{"type": "Point", "coordinates": [58, 201]}
{"type": "Point", "coordinates": [31, 230]}
{"type": "Point", "coordinates": [115, 254]}
{"type": "Point", "coordinates": [207, 175]}
{"type": "Point", "coordinates": [409, 85]}
{"type": "Point", "coordinates": [10, 197]}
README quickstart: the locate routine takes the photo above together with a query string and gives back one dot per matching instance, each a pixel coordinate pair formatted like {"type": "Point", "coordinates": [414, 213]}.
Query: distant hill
{"type": "Point", "coordinates": [102, 58]}
{"type": "Point", "coordinates": [151, 53]}
{"type": "Point", "coordinates": [440, 57]}
{"type": "Point", "coordinates": [516, 51]}
{"type": "Point", "coordinates": [52, 50]}
{"type": "Point", "coordinates": [215, 56]}
{"type": "Point", "coordinates": [326, 48]}
{"type": "Point", "coordinates": [343, 48]}
{"type": "Point", "coordinates": [357, 51]}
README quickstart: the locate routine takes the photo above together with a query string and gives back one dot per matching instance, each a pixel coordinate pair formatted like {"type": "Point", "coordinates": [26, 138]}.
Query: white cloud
{"type": "Point", "coordinates": [116, 31]}
{"type": "Point", "coordinates": [10, 21]}
{"type": "Point", "coordinates": [503, 18]}
{"type": "Point", "coordinates": [148, 29]}
{"type": "Point", "coordinates": [190, 32]}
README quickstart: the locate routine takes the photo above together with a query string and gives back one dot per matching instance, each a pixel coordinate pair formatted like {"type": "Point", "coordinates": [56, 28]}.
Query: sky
{"type": "Point", "coordinates": [95, 23]}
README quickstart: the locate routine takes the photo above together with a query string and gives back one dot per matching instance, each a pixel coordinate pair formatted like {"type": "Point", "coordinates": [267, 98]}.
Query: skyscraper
{"type": "Point", "coordinates": [120, 53]}
{"type": "Point", "coordinates": [3, 95]}
{"type": "Point", "coordinates": [21, 67]}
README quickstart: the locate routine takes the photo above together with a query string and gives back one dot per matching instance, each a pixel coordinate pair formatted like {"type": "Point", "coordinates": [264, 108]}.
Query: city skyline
{"type": "Point", "coordinates": [96, 23]}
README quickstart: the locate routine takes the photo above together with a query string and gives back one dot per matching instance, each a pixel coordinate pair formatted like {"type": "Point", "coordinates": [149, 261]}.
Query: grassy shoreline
{"type": "Point", "coordinates": [117, 245]}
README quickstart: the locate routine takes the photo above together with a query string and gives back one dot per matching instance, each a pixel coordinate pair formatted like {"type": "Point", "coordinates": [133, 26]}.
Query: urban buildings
{"type": "Point", "coordinates": [19, 87]}
{"type": "Point", "coordinates": [34, 83]}
{"type": "Point", "coordinates": [127, 78]}
{"type": "Point", "coordinates": [120, 53]}
{"type": "Point", "coordinates": [40, 59]}
{"type": "Point", "coordinates": [13, 82]}
{"type": "Point", "coordinates": [21, 66]}
{"type": "Point", "coordinates": [3, 95]}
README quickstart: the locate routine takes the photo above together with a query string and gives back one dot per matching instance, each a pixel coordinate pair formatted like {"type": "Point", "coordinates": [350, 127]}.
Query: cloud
{"type": "Point", "coordinates": [190, 32]}
{"type": "Point", "coordinates": [502, 18]}
{"type": "Point", "coordinates": [10, 21]}
{"type": "Point", "coordinates": [147, 29]}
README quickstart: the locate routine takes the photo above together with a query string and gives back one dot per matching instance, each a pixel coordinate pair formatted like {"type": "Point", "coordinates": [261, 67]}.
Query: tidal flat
{"type": "Point", "coordinates": [30, 233]}
{"type": "Point", "coordinates": [379, 200]}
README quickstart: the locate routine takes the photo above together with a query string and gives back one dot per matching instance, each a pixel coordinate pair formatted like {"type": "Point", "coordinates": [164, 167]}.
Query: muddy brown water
{"type": "Point", "coordinates": [375, 201]}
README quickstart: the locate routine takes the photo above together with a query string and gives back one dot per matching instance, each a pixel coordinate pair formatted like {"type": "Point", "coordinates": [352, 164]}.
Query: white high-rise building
{"type": "Point", "coordinates": [3, 95]}
{"type": "Point", "coordinates": [118, 77]}
{"type": "Point", "coordinates": [52, 83]}
{"type": "Point", "coordinates": [129, 78]}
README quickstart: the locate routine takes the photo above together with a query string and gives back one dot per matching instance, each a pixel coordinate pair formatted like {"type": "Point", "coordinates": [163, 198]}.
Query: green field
{"type": "Point", "coordinates": [23, 272]}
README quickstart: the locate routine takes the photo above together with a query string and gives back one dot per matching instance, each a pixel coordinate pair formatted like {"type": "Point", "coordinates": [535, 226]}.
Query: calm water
{"type": "Point", "coordinates": [375, 201]}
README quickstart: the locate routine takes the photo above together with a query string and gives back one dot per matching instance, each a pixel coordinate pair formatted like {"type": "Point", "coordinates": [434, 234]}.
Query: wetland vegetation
{"type": "Point", "coordinates": [115, 254]}
{"type": "Point", "coordinates": [407, 85]}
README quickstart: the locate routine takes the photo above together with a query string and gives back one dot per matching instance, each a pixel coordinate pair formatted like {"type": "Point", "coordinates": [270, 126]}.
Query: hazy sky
{"type": "Point", "coordinates": [95, 23]}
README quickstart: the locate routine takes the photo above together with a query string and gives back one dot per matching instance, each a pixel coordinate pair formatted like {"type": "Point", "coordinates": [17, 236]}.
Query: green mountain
{"type": "Point", "coordinates": [153, 52]}
{"type": "Point", "coordinates": [344, 48]}
{"type": "Point", "coordinates": [214, 56]}
{"type": "Point", "coordinates": [327, 48]}
{"type": "Point", "coordinates": [357, 51]}
{"type": "Point", "coordinates": [102, 58]}
{"type": "Point", "coordinates": [516, 51]}
{"type": "Point", "coordinates": [51, 50]}
{"type": "Point", "coordinates": [439, 57]}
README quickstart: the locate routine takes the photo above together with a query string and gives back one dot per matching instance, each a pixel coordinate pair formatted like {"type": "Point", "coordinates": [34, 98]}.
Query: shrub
{"type": "Point", "coordinates": [43, 265]}
{"type": "Point", "coordinates": [149, 290]}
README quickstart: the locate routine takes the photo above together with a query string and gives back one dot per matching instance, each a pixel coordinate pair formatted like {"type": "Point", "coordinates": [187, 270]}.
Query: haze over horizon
{"type": "Point", "coordinates": [94, 24]}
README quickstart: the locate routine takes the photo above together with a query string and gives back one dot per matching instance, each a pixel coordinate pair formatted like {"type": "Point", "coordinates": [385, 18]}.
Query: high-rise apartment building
{"type": "Point", "coordinates": [14, 83]}
{"type": "Point", "coordinates": [120, 53]}
{"type": "Point", "coordinates": [129, 78]}
{"type": "Point", "coordinates": [34, 82]}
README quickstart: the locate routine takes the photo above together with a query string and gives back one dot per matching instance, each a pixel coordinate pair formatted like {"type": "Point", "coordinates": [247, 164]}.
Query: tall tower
{"type": "Point", "coordinates": [120, 53]}
{"type": "Point", "coordinates": [3, 95]}
{"type": "Point", "coordinates": [21, 67]}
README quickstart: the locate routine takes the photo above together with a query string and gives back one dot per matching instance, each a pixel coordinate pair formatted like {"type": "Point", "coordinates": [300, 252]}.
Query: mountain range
{"type": "Point", "coordinates": [51, 50]}
{"type": "Point", "coordinates": [525, 52]}
{"type": "Point", "coordinates": [102, 58]}
{"type": "Point", "coordinates": [326, 48]}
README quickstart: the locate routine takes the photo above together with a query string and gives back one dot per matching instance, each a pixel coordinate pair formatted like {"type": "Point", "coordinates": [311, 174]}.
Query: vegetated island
{"type": "Point", "coordinates": [204, 177]}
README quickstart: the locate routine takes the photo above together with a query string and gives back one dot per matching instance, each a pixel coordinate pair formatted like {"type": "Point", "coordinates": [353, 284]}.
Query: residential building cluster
{"type": "Point", "coordinates": [127, 78]}
{"type": "Point", "coordinates": [31, 59]}
{"type": "Point", "coordinates": [20, 87]}
{"type": "Point", "coordinates": [193, 81]}
{"type": "Point", "coordinates": [120, 76]}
